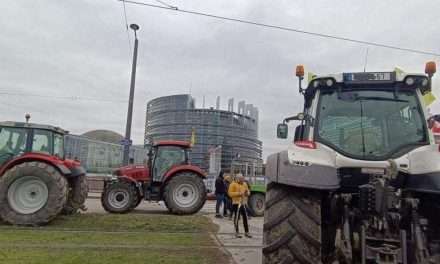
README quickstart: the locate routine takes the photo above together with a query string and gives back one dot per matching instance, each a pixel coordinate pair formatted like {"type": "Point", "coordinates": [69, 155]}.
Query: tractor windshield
{"type": "Point", "coordinates": [12, 142]}
{"type": "Point", "coordinates": [370, 124]}
{"type": "Point", "coordinates": [167, 157]}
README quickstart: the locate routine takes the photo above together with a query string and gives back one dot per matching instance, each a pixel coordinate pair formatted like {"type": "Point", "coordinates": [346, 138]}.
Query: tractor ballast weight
{"type": "Point", "coordinates": [36, 182]}
{"type": "Point", "coordinates": [168, 176]}
{"type": "Point", "coordinates": [360, 183]}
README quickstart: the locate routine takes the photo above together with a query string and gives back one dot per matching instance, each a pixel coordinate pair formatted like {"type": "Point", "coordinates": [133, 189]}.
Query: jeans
{"type": "Point", "coordinates": [220, 199]}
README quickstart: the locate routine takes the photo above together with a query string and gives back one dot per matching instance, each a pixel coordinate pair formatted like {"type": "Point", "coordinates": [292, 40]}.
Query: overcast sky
{"type": "Point", "coordinates": [79, 49]}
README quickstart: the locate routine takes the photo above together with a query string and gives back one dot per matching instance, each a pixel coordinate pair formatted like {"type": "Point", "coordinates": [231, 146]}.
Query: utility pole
{"type": "Point", "coordinates": [127, 141]}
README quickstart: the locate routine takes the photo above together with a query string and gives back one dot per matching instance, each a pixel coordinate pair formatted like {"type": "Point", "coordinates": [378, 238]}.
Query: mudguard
{"type": "Point", "coordinates": [182, 168]}
{"type": "Point", "coordinates": [301, 173]}
{"type": "Point", "coordinates": [40, 158]}
{"type": "Point", "coordinates": [425, 183]}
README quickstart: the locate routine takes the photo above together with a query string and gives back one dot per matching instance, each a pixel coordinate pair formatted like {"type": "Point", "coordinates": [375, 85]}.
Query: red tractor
{"type": "Point", "coordinates": [36, 182]}
{"type": "Point", "coordinates": [168, 177]}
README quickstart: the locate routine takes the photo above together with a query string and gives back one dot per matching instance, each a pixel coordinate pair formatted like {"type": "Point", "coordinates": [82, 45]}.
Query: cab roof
{"type": "Point", "coordinates": [368, 77]}
{"type": "Point", "coordinates": [372, 79]}
{"type": "Point", "coordinates": [179, 143]}
{"type": "Point", "coordinates": [32, 126]}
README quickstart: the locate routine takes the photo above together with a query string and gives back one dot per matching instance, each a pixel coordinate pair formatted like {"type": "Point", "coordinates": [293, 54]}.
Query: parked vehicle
{"type": "Point", "coordinates": [168, 177]}
{"type": "Point", "coordinates": [36, 182]}
{"type": "Point", "coordinates": [361, 182]}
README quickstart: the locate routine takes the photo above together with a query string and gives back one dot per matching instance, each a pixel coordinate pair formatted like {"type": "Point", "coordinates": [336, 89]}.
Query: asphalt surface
{"type": "Point", "coordinates": [243, 250]}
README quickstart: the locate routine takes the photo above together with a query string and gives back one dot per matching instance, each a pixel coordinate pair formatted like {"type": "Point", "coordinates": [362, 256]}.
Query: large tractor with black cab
{"type": "Point", "coordinates": [36, 182]}
{"type": "Point", "coordinates": [361, 181]}
{"type": "Point", "coordinates": [167, 177]}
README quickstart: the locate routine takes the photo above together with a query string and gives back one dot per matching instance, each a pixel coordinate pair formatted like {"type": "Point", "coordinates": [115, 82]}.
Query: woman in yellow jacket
{"type": "Point", "coordinates": [238, 191]}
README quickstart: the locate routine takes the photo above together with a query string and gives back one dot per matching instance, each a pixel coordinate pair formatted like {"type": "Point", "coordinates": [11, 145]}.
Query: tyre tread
{"type": "Point", "coordinates": [287, 232]}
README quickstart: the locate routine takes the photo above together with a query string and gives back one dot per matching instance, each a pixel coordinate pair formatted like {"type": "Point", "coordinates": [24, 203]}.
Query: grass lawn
{"type": "Point", "coordinates": [110, 238]}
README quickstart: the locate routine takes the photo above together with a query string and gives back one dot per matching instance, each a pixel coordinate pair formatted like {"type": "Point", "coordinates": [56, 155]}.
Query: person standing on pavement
{"type": "Point", "coordinates": [246, 199]}
{"type": "Point", "coordinates": [238, 191]}
{"type": "Point", "coordinates": [220, 191]}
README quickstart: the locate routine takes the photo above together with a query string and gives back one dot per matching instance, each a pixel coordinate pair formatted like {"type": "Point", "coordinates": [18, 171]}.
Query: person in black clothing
{"type": "Point", "coordinates": [220, 191]}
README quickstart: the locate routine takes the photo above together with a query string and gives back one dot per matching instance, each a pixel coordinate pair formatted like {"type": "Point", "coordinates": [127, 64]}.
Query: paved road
{"type": "Point", "coordinates": [243, 250]}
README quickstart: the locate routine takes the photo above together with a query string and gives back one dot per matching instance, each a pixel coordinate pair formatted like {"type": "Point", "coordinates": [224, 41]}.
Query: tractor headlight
{"type": "Point", "coordinates": [409, 81]}
{"type": "Point", "coordinates": [315, 84]}
{"type": "Point", "coordinates": [329, 82]}
{"type": "Point", "coordinates": [325, 82]}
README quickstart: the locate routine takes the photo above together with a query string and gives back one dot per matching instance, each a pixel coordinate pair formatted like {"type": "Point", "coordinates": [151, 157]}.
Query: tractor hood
{"type": "Point", "coordinates": [323, 168]}
{"type": "Point", "coordinates": [135, 172]}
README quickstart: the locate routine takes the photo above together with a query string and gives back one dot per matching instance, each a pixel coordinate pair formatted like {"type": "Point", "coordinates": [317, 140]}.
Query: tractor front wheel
{"type": "Point", "coordinates": [256, 204]}
{"type": "Point", "coordinates": [292, 225]}
{"type": "Point", "coordinates": [32, 193]}
{"type": "Point", "coordinates": [119, 197]}
{"type": "Point", "coordinates": [185, 193]}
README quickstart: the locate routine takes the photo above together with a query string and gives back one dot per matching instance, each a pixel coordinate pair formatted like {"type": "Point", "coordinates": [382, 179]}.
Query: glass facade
{"type": "Point", "coordinates": [175, 118]}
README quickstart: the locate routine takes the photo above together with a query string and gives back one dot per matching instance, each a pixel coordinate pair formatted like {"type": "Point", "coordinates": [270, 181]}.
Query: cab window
{"type": "Point", "coordinates": [167, 157]}
{"type": "Point", "coordinates": [58, 146]}
{"type": "Point", "coordinates": [42, 141]}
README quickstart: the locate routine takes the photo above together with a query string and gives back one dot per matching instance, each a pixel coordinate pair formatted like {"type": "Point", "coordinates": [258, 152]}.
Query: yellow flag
{"type": "Point", "coordinates": [399, 71]}
{"type": "Point", "coordinates": [310, 76]}
{"type": "Point", "coordinates": [429, 98]}
{"type": "Point", "coordinates": [193, 136]}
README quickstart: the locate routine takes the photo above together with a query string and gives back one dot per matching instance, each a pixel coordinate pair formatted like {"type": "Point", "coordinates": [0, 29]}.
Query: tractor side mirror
{"type": "Point", "coordinates": [282, 130]}
{"type": "Point", "coordinates": [298, 117]}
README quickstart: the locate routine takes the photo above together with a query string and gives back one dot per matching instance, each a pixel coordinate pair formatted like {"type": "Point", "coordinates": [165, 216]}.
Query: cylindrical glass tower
{"type": "Point", "coordinates": [175, 118]}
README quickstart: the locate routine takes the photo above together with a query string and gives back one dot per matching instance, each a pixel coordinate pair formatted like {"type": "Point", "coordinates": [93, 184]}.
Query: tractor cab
{"type": "Point", "coordinates": [165, 155]}
{"type": "Point", "coordinates": [162, 158]}
{"type": "Point", "coordinates": [17, 138]}
{"type": "Point", "coordinates": [372, 116]}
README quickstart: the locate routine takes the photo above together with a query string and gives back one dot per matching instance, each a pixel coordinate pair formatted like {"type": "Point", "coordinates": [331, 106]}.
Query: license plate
{"type": "Point", "coordinates": [369, 77]}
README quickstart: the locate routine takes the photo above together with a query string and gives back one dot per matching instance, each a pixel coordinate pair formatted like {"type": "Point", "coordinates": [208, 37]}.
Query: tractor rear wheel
{"type": "Point", "coordinates": [32, 193]}
{"type": "Point", "coordinates": [256, 203]}
{"type": "Point", "coordinates": [78, 191]}
{"type": "Point", "coordinates": [119, 197]}
{"type": "Point", "coordinates": [185, 193]}
{"type": "Point", "coordinates": [292, 225]}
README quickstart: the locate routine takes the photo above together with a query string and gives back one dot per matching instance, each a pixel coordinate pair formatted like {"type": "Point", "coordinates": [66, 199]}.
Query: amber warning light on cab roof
{"type": "Point", "coordinates": [430, 68]}
{"type": "Point", "coordinates": [299, 71]}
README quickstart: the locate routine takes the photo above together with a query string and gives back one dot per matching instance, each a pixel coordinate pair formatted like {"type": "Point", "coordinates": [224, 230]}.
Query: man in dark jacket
{"type": "Point", "coordinates": [220, 191]}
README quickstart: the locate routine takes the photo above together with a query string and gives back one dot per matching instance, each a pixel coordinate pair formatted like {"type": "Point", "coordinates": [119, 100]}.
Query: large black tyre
{"type": "Point", "coordinates": [32, 193]}
{"type": "Point", "coordinates": [119, 197]}
{"type": "Point", "coordinates": [292, 225]}
{"type": "Point", "coordinates": [136, 201]}
{"type": "Point", "coordinates": [185, 193]}
{"type": "Point", "coordinates": [256, 203]}
{"type": "Point", "coordinates": [78, 192]}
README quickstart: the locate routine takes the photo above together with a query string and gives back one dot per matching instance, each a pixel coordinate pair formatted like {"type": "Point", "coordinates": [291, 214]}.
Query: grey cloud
{"type": "Point", "coordinates": [80, 48]}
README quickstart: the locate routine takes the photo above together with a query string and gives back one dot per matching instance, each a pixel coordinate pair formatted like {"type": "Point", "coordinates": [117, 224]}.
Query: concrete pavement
{"type": "Point", "coordinates": [243, 250]}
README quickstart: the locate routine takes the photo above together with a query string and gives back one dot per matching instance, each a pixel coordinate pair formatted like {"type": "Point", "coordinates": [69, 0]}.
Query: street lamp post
{"type": "Point", "coordinates": [127, 141]}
